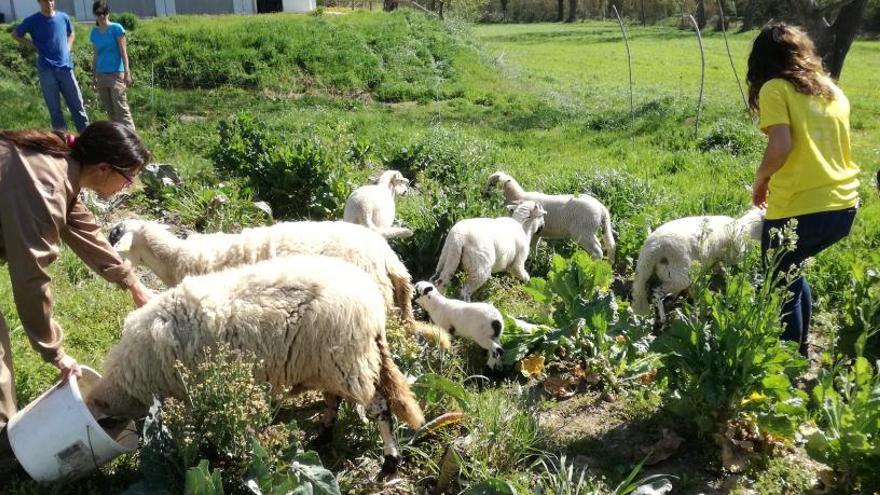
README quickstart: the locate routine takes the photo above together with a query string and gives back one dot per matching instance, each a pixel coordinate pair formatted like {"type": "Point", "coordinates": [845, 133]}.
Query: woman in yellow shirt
{"type": "Point", "coordinates": [807, 173]}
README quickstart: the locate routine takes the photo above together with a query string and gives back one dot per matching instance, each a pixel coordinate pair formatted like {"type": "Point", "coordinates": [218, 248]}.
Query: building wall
{"type": "Point", "coordinates": [204, 6]}
{"type": "Point", "coordinates": [6, 10]}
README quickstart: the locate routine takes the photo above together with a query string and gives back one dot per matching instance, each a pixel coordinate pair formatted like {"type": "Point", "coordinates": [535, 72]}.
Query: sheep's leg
{"type": "Point", "coordinates": [518, 269]}
{"type": "Point", "coordinates": [676, 284]}
{"type": "Point", "coordinates": [490, 342]}
{"type": "Point", "coordinates": [590, 243]}
{"type": "Point", "coordinates": [378, 410]}
{"type": "Point", "coordinates": [474, 281]}
{"type": "Point", "coordinates": [328, 419]}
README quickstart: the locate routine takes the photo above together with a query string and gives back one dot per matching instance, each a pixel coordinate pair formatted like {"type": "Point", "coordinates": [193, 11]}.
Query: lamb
{"type": "Point", "coordinates": [373, 206]}
{"type": "Point", "coordinates": [310, 322]}
{"type": "Point", "coordinates": [671, 249]}
{"type": "Point", "coordinates": [568, 217]}
{"type": "Point", "coordinates": [479, 322]}
{"type": "Point", "coordinates": [484, 246]}
{"type": "Point", "coordinates": [150, 244]}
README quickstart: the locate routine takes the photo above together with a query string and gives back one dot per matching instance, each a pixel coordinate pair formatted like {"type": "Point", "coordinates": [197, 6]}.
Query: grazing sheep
{"type": "Point", "coordinates": [479, 322]}
{"type": "Point", "coordinates": [669, 252]}
{"type": "Point", "coordinates": [579, 218]}
{"type": "Point", "coordinates": [150, 244]}
{"type": "Point", "coordinates": [311, 322]}
{"type": "Point", "coordinates": [373, 206]}
{"type": "Point", "coordinates": [484, 246]}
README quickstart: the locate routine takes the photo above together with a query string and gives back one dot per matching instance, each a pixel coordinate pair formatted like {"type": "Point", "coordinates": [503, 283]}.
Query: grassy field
{"type": "Point", "coordinates": [449, 104]}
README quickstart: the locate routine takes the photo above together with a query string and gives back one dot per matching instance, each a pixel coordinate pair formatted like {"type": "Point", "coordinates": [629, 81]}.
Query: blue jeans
{"type": "Point", "coordinates": [57, 82]}
{"type": "Point", "coordinates": [815, 233]}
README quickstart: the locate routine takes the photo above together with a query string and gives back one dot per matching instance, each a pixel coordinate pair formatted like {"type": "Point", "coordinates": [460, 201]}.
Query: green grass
{"type": "Point", "coordinates": [547, 103]}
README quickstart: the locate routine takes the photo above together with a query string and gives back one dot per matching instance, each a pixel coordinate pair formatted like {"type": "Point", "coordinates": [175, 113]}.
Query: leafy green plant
{"type": "Point", "coordinates": [860, 313]}
{"type": "Point", "coordinates": [723, 358]}
{"type": "Point", "coordinates": [847, 432]}
{"type": "Point", "coordinates": [587, 327]}
{"type": "Point", "coordinates": [303, 179]}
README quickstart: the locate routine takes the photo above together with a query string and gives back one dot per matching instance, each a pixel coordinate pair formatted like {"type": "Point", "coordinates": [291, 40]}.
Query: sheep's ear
{"type": "Point", "coordinates": [513, 206]}
{"type": "Point", "coordinates": [427, 289]}
{"type": "Point", "coordinates": [123, 246]}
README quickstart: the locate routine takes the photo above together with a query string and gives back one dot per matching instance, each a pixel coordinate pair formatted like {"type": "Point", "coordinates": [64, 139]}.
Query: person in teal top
{"type": "Point", "coordinates": [112, 74]}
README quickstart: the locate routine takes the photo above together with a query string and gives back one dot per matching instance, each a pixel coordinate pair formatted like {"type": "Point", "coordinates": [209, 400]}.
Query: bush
{"type": "Point", "coordinates": [303, 179]}
{"type": "Point", "coordinates": [128, 20]}
{"type": "Point", "coordinates": [847, 436]}
{"type": "Point", "coordinates": [449, 171]}
{"type": "Point", "coordinates": [724, 361]}
{"type": "Point", "coordinates": [733, 136]}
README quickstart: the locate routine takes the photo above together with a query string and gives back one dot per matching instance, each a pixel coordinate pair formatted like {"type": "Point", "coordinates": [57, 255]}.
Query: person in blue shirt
{"type": "Point", "coordinates": [112, 75]}
{"type": "Point", "coordinates": [52, 35]}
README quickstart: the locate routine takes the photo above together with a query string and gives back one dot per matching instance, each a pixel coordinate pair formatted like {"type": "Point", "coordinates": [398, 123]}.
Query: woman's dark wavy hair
{"type": "Point", "coordinates": [101, 142]}
{"type": "Point", "coordinates": [783, 51]}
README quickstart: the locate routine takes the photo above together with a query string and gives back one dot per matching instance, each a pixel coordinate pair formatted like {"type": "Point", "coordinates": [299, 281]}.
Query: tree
{"type": "Point", "coordinates": [701, 14]}
{"type": "Point", "coordinates": [833, 39]}
{"type": "Point", "coordinates": [572, 10]}
{"type": "Point", "coordinates": [560, 10]}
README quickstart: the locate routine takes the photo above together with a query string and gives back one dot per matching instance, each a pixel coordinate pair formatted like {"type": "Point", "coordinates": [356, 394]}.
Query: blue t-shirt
{"type": "Point", "coordinates": [49, 35]}
{"type": "Point", "coordinates": [106, 44]}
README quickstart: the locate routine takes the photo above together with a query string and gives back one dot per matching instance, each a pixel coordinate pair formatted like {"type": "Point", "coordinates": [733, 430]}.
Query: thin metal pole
{"type": "Point", "coordinates": [729, 56]}
{"type": "Point", "coordinates": [702, 74]}
{"type": "Point", "coordinates": [632, 107]}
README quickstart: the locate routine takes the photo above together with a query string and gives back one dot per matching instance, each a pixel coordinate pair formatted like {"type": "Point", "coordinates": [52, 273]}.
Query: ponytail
{"type": "Point", "coordinates": [53, 143]}
{"type": "Point", "coordinates": [101, 142]}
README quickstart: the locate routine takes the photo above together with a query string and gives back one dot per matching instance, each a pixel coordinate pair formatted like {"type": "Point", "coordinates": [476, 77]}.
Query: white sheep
{"type": "Point", "coordinates": [152, 245]}
{"type": "Point", "coordinates": [479, 322]}
{"type": "Point", "coordinates": [373, 206]}
{"type": "Point", "coordinates": [483, 246]}
{"type": "Point", "coordinates": [669, 252]}
{"type": "Point", "coordinates": [579, 218]}
{"type": "Point", "coordinates": [310, 322]}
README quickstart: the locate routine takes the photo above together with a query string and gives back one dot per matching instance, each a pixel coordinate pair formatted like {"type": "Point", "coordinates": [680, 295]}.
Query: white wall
{"type": "Point", "coordinates": [6, 10]}
{"type": "Point", "coordinates": [24, 8]}
{"type": "Point", "coordinates": [298, 5]}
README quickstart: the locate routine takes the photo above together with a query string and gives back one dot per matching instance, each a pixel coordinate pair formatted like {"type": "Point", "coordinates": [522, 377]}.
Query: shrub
{"type": "Point", "coordinates": [733, 136]}
{"type": "Point", "coordinates": [302, 179]}
{"type": "Point", "coordinates": [128, 20]}
{"type": "Point", "coordinates": [847, 434]}
{"type": "Point", "coordinates": [449, 170]}
{"type": "Point", "coordinates": [588, 335]}
{"type": "Point", "coordinates": [220, 437]}
{"type": "Point", "coordinates": [723, 358]}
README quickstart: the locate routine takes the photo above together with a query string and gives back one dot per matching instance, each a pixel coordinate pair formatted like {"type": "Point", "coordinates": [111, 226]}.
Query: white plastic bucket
{"type": "Point", "coordinates": [56, 437]}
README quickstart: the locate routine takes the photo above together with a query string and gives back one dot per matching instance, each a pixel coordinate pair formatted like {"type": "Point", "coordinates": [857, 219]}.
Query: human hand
{"type": "Point", "coordinates": [68, 366]}
{"type": "Point", "coordinates": [127, 79]}
{"type": "Point", "coordinates": [759, 192]}
{"type": "Point", "coordinates": [140, 294]}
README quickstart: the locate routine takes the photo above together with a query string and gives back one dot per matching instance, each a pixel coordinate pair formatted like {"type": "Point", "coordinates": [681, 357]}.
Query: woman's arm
{"type": "Point", "coordinates": [123, 50]}
{"type": "Point", "coordinates": [778, 148]}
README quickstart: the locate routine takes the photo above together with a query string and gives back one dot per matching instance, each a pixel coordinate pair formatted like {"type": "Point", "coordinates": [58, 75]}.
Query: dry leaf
{"type": "Point", "coordinates": [663, 448]}
{"type": "Point", "coordinates": [558, 387]}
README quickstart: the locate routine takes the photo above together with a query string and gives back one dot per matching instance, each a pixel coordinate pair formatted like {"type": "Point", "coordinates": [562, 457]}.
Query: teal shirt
{"type": "Point", "coordinates": [109, 58]}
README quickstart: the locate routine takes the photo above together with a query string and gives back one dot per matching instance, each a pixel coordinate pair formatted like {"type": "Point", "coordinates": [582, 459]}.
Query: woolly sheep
{"type": "Point", "coordinates": [479, 322]}
{"type": "Point", "coordinates": [484, 246]}
{"type": "Point", "coordinates": [311, 323]}
{"type": "Point", "coordinates": [579, 218]}
{"type": "Point", "coordinates": [669, 252]}
{"type": "Point", "coordinates": [150, 244]}
{"type": "Point", "coordinates": [373, 206]}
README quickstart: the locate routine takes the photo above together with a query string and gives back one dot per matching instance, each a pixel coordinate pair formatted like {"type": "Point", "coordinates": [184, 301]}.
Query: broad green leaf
{"type": "Point", "coordinates": [493, 486]}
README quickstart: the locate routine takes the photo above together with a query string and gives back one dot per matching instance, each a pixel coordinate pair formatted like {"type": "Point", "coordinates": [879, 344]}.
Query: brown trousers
{"type": "Point", "coordinates": [111, 89]}
{"type": "Point", "coordinates": [7, 376]}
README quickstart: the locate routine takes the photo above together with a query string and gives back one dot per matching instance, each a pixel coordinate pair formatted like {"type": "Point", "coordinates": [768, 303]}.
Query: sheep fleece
{"type": "Point", "coordinates": [312, 322]}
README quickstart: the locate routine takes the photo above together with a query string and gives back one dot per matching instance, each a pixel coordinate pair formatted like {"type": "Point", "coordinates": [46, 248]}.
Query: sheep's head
{"type": "Point", "coordinates": [498, 177]}
{"type": "Point", "coordinates": [751, 223]}
{"type": "Point", "coordinates": [424, 291]}
{"type": "Point", "coordinates": [528, 213]}
{"type": "Point", "coordinates": [395, 181]}
{"type": "Point", "coordinates": [108, 400]}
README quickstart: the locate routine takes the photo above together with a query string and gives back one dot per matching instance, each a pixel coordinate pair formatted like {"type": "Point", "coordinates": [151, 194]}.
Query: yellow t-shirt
{"type": "Point", "coordinates": [818, 174]}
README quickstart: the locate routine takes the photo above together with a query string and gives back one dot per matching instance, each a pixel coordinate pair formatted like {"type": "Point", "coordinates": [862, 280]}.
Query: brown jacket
{"type": "Point", "coordinates": [39, 206]}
